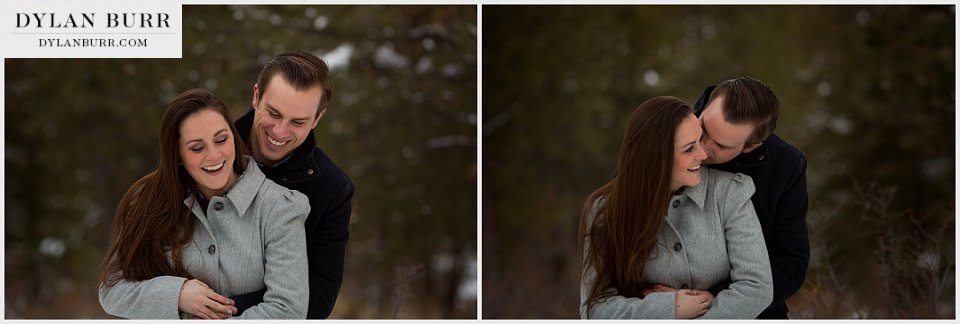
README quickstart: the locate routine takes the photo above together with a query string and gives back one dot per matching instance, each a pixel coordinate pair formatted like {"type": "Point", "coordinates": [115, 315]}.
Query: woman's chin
{"type": "Point", "coordinates": [212, 186]}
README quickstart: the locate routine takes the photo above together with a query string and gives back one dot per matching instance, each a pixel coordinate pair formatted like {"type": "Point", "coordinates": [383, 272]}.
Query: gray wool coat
{"type": "Point", "coordinates": [711, 233]}
{"type": "Point", "coordinates": [249, 239]}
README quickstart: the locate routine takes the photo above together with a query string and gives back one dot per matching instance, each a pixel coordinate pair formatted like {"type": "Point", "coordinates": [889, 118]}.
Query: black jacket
{"type": "Point", "coordinates": [309, 171]}
{"type": "Point", "coordinates": [779, 172]}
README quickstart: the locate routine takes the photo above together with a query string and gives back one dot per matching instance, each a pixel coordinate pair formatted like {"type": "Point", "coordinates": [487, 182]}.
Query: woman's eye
{"type": "Point", "coordinates": [689, 149]}
{"type": "Point", "coordinates": [196, 149]}
{"type": "Point", "coordinates": [222, 140]}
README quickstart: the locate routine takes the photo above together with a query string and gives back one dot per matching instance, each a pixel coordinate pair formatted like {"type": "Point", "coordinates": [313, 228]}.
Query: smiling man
{"type": "Point", "coordinates": [289, 99]}
{"type": "Point", "coordinates": [738, 117]}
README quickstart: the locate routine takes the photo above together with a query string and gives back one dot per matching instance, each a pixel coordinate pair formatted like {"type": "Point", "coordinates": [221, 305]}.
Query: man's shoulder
{"type": "Point", "coordinates": [784, 151]}
{"type": "Point", "coordinates": [330, 172]}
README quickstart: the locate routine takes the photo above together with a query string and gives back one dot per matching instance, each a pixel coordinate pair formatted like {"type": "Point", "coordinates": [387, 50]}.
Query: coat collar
{"type": "Point", "coordinates": [697, 194]}
{"type": "Point", "coordinates": [757, 157]}
{"type": "Point", "coordinates": [242, 193]}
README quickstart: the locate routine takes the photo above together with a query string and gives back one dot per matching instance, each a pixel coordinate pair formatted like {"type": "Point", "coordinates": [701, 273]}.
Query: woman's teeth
{"type": "Point", "coordinates": [213, 168]}
{"type": "Point", "coordinates": [694, 168]}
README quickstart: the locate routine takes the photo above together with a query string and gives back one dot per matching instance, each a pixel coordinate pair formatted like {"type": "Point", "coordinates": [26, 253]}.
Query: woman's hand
{"type": "Point", "coordinates": [197, 299]}
{"type": "Point", "coordinates": [692, 303]}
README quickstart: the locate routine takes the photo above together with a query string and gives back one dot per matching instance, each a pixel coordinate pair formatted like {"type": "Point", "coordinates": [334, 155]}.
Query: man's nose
{"type": "Point", "coordinates": [280, 130]}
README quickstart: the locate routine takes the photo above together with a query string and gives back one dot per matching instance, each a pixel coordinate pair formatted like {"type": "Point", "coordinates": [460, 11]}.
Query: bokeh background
{"type": "Point", "coordinates": [867, 93]}
{"type": "Point", "coordinates": [402, 124]}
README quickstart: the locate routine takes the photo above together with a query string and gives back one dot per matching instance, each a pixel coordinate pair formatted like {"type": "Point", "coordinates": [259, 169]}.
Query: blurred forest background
{"type": "Point", "coordinates": [867, 93]}
{"type": "Point", "coordinates": [402, 124]}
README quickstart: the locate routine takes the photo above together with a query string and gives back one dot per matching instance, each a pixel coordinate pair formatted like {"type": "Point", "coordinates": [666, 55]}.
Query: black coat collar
{"type": "Point", "coordinates": [755, 158]}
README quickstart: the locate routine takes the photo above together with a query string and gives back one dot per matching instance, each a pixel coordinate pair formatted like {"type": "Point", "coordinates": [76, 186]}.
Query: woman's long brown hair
{"type": "Point", "coordinates": [151, 219]}
{"type": "Point", "coordinates": [623, 232]}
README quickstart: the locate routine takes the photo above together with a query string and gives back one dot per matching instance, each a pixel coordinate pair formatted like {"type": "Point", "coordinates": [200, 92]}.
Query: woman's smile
{"type": "Point", "coordinates": [214, 169]}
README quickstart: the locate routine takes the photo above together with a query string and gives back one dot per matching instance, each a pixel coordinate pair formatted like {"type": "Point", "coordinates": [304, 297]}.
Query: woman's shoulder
{"type": "Point", "coordinates": [275, 198]}
{"type": "Point", "coordinates": [275, 192]}
{"type": "Point", "coordinates": [595, 206]}
{"type": "Point", "coordinates": [737, 184]}
{"type": "Point", "coordinates": [281, 203]}
{"type": "Point", "coordinates": [598, 203]}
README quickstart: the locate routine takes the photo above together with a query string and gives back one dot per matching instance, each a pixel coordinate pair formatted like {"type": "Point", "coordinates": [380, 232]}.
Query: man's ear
{"type": "Point", "coordinates": [319, 117]}
{"type": "Point", "coordinates": [256, 95]}
{"type": "Point", "coordinates": [751, 147]}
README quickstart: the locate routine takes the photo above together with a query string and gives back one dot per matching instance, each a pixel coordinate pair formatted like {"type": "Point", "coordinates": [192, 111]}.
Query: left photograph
{"type": "Point", "coordinates": [298, 162]}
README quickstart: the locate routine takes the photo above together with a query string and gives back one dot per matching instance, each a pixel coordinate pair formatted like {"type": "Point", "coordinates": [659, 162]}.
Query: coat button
{"type": "Point", "coordinates": [676, 203]}
{"type": "Point", "coordinates": [218, 206]}
{"type": "Point", "coordinates": [761, 158]}
{"type": "Point", "coordinates": [685, 286]}
{"type": "Point", "coordinates": [676, 247]}
{"type": "Point", "coordinates": [211, 249]}
{"type": "Point", "coordinates": [310, 172]}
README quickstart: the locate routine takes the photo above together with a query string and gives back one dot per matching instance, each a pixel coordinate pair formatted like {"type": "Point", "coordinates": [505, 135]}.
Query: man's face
{"type": "Point", "coordinates": [283, 119]}
{"type": "Point", "coordinates": [723, 141]}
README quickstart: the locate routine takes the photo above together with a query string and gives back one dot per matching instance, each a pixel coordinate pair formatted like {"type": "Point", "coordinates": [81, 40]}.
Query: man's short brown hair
{"type": "Point", "coordinates": [303, 71]}
{"type": "Point", "coordinates": [748, 100]}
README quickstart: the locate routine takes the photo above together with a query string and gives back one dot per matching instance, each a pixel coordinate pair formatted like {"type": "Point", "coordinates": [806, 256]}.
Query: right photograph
{"type": "Point", "coordinates": [718, 162]}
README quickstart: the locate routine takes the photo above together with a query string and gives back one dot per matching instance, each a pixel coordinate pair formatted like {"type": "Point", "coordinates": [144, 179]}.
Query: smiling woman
{"type": "Point", "coordinates": [688, 153]}
{"type": "Point", "coordinates": [192, 231]}
{"type": "Point", "coordinates": [206, 147]}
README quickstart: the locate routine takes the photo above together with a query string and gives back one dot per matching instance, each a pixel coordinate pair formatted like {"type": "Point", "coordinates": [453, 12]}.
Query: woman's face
{"type": "Point", "coordinates": [207, 151]}
{"type": "Point", "coordinates": [687, 154]}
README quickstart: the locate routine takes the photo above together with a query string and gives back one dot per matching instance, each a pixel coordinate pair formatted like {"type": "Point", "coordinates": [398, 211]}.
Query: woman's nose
{"type": "Point", "coordinates": [703, 153]}
{"type": "Point", "coordinates": [215, 155]}
{"type": "Point", "coordinates": [703, 146]}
